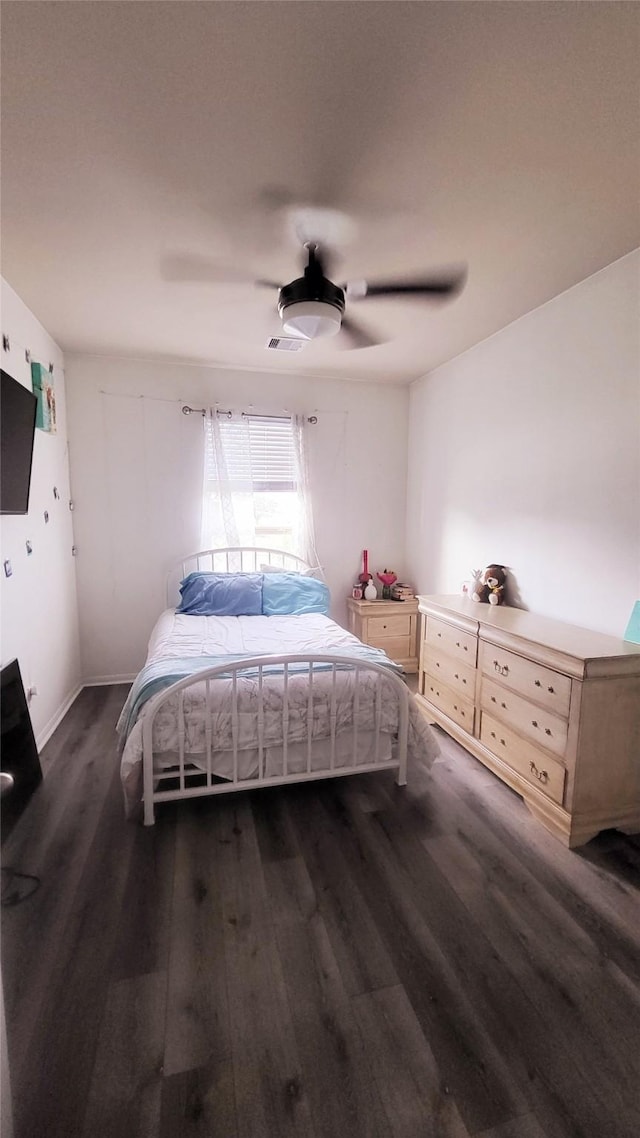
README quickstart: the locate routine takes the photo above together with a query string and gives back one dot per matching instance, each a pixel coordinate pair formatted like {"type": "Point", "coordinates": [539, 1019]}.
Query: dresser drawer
{"type": "Point", "coordinates": [540, 770]}
{"type": "Point", "coordinates": [447, 638]}
{"type": "Point", "coordinates": [383, 626]}
{"type": "Point", "coordinates": [460, 710]}
{"type": "Point", "coordinates": [550, 689]}
{"type": "Point", "coordinates": [543, 728]}
{"type": "Point", "coordinates": [449, 671]}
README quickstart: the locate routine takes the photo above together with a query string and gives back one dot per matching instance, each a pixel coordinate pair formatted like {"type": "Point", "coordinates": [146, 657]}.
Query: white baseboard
{"type": "Point", "coordinates": [56, 719]}
{"type": "Point", "coordinates": [100, 681]}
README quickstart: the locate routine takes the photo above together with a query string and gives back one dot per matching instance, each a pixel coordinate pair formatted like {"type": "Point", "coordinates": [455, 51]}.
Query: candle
{"type": "Point", "coordinates": [365, 561]}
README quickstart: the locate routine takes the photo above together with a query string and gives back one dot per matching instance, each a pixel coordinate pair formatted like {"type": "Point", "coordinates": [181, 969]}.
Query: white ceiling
{"type": "Point", "coordinates": [502, 135]}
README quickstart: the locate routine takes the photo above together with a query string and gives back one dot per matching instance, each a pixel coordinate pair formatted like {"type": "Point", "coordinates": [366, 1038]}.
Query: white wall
{"type": "Point", "coordinates": [136, 470]}
{"type": "Point", "coordinates": [38, 602]}
{"type": "Point", "coordinates": [525, 450]}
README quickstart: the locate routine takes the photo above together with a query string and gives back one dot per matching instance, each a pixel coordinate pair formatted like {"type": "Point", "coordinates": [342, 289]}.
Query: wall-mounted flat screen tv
{"type": "Point", "coordinates": [17, 430]}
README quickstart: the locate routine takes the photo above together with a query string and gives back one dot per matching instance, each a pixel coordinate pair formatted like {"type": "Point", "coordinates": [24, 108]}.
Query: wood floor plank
{"type": "Point", "coordinates": [270, 1094]}
{"type": "Point", "coordinates": [197, 1031]}
{"type": "Point", "coordinates": [482, 1087]}
{"type": "Point", "coordinates": [60, 1052]}
{"type": "Point", "coordinates": [144, 934]}
{"type": "Point", "coordinates": [572, 999]}
{"type": "Point", "coordinates": [337, 1075]}
{"type": "Point", "coordinates": [416, 1100]}
{"type": "Point", "coordinates": [58, 842]}
{"type": "Point", "coordinates": [125, 1091]}
{"type": "Point", "coordinates": [527, 1126]}
{"type": "Point", "coordinates": [290, 892]}
{"type": "Point", "coordinates": [275, 834]}
{"type": "Point", "coordinates": [364, 961]}
{"type": "Point", "coordinates": [199, 1104]}
{"type": "Point", "coordinates": [602, 902]}
{"type": "Point", "coordinates": [505, 988]}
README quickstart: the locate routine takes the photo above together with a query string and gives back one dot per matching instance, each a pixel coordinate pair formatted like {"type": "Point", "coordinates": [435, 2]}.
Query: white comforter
{"type": "Point", "coordinates": [178, 636]}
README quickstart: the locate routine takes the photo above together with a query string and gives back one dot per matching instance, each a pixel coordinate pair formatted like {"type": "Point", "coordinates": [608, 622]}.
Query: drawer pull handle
{"type": "Point", "coordinates": [534, 722]}
{"type": "Point", "coordinates": [437, 664]}
{"type": "Point", "coordinates": [465, 648]}
{"type": "Point", "coordinates": [440, 634]}
{"type": "Point", "coordinates": [538, 684]}
{"type": "Point", "coordinates": [384, 626]}
{"type": "Point", "coordinates": [503, 705]}
{"type": "Point", "coordinates": [541, 776]}
{"type": "Point", "coordinates": [455, 707]}
{"type": "Point", "coordinates": [456, 676]}
{"type": "Point", "coordinates": [493, 699]}
{"type": "Point", "coordinates": [547, 730]}
{"type": "Point", "coordinates": [503, 742]}
{"type": "Point", "coordinates": [551, 690]}
{"type": "Point", "coordinates": [503, 671]}
{"type": "Point", "coordinates": [463, 680]}
{"type": "Point", "coordinates": [493, 734]}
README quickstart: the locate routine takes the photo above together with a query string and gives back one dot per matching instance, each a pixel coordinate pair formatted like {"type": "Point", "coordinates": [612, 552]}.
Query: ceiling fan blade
{"type": "Point", "coordinates": [186, 267]}
{"type": "Point", "coordinates": [358, 336]}
{"type": "Point", "coordinates": [435, 285]}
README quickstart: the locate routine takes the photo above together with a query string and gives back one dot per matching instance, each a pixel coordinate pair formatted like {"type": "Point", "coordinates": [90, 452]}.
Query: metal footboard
{"type": "Point", "coordinates": [332, 684]}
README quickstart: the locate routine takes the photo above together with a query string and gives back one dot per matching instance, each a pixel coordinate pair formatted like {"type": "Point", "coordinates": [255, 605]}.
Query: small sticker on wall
{"type": "Point", "coordinates": [29, 548]}
{"type": "Point", "coordinates": [46, 516]}
{"type": "Point", "coordinates": [7, 569]}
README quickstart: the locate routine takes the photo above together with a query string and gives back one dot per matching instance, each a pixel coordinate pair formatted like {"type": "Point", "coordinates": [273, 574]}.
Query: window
{"type": "Point", "coordinates": [255, 484]}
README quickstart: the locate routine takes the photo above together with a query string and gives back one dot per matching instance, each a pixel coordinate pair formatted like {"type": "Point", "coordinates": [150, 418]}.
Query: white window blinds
{"type": "Point", "coordinates": [258, 454]}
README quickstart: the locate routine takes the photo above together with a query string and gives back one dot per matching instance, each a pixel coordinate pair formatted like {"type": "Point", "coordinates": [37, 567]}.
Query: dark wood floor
{"type": "Point", "coordinates": [339, 959]}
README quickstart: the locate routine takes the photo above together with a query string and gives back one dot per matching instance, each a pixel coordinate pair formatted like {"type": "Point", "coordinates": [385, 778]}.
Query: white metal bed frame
{"type": "Point", "coordinates": [196, 781]}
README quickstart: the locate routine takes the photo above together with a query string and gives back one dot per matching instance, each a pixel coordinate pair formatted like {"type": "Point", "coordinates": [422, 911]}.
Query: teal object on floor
{"type": "Point", "coordinates": [633, 628]}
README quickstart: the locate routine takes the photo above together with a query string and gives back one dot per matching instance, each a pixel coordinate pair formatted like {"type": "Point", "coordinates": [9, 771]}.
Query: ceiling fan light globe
{"type": "Point", "coordinates": [311, 319]}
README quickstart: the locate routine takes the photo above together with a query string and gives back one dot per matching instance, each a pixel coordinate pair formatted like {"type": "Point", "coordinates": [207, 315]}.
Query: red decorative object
{"type": "Point", "coordinates": [365, 576]}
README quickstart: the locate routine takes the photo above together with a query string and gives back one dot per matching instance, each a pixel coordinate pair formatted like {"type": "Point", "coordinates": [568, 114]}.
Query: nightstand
{"type": "Point", "coordinates": [390, 625]}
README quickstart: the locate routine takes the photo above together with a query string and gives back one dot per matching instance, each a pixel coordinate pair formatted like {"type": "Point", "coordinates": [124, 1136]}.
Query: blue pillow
{"type": "Point", "coordinates": [290, 594]}
{"type": "Point", "coordinates": [221, 594]}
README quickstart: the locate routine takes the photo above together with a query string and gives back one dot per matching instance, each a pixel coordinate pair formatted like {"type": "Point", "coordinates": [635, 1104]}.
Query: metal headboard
{"type": "Point", "coordinates": [232, 559]}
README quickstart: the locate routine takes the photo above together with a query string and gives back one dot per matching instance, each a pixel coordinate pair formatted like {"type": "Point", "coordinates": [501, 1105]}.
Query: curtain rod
{"type": "Point", "coordinates": [245, 414]}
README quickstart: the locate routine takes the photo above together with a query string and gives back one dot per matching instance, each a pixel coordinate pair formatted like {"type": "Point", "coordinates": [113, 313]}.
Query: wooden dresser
{"type": "Point", "coordinates": [552, 709]}
{"type": "Point", "coordinates": [390, 625]}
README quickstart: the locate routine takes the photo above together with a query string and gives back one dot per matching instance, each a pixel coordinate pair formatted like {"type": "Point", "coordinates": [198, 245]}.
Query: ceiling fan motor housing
{"type": "Point", "coordinates": [311, 306]}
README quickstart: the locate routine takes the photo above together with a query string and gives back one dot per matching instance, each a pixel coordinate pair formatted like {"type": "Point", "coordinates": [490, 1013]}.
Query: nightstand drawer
{"type": "Point", "coordinates": [460, 710]}
{"type": "Point", "coordinates": [447, 638]}
{"type": "Point", "coordinates": [548, 688]}
{"type": "Point", "coordinates": [396, 647]}
{"type": "Point", "coordinates": [449, 671]}
{"type": "Point", "coordinates": [538, 725]}
{"type": "Point", "coordinates": [540, 770]}
{"type": "Point", "coordinates": [383, 626]}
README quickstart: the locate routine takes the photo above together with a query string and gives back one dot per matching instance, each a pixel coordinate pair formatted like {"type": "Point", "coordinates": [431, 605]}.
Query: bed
{"type": "Point", "coordinates": [234, 700]}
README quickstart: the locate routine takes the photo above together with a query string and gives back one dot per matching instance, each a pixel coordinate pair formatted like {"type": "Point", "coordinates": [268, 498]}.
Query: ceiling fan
{"type": "Point", "coordinates": [313, 307]}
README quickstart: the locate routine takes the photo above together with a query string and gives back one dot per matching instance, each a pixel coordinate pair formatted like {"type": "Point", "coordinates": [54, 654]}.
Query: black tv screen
{"type": "Point", "coordinates": [17, 430]}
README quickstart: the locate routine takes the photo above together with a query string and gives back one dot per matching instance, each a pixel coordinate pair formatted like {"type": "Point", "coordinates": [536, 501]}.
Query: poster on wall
{"type": "Point", "coordinates": [43, 389]}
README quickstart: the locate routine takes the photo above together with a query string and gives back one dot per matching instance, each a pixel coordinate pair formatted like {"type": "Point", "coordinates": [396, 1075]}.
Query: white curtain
{"type": "Point", "coordinates": [305, 538]}
{"type": "Point", "coordinates": [248, 460]}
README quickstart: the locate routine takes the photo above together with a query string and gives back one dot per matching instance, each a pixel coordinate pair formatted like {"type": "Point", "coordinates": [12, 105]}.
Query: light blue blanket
{"type": "Point", "coordinates": [160, 674]}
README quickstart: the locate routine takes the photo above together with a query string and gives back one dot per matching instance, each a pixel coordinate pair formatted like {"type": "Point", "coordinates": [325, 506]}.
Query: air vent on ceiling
{"type": "Point", "coordinates": [285, 344]}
